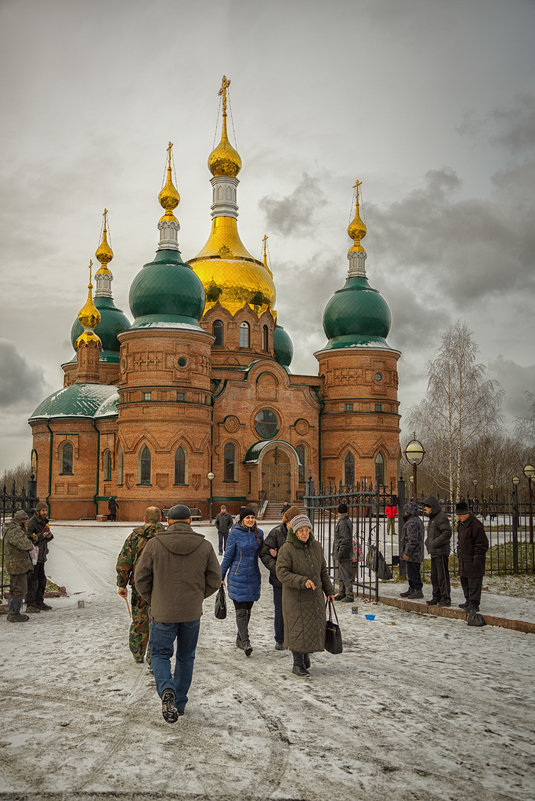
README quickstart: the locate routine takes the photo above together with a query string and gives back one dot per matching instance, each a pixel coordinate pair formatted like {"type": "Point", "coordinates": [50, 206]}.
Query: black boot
{"type": "Point", "coordinates": [306, 661]}
{"type": "Point", "coordinates": [242, 622]}
{"type": "Point", "coordinates": [15, 616]}
{"type": "Point", "coordinates": [298, 666]}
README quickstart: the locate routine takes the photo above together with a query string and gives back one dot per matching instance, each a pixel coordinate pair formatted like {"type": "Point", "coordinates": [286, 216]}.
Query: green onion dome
{"type": "Point", "coordinates": [356, 315]}
{"type": "Point", "coordinates": [78, 400]}
{"type": "Point", "coordinates": [112, 322]}
{"type": "Point", "coordinates": [282, 346]}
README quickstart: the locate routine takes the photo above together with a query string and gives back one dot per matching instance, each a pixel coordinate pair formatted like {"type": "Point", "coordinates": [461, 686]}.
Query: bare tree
{"type": "Point", "coordinates": [525, 426]}
{"type": "Point", "coordinates": [460, 407]}
{"type": "Point", "coordinates": [20, 475]}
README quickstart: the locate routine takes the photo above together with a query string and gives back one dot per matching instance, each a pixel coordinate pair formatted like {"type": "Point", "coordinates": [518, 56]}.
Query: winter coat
{"type": "Point", "coordinates": [223, 522]}
{"type": "Point", "coordinates": [18, 549]}
{"type": "Point", "coordinates": [177, 570]}
{"type": "Point", "coordinates": [438, 530]}
{"type": "Point", "coordinates": [39, 532]}
{"type": "Point", "coordinates": [241, 562]}
{"type": "Point", "coordinates": [275, 539]}
{"type": "Point", "coordinates": [390, 511]}
{"type": "Point", "coordinates": [343, 539]}
{"type": "Point", "coordinates": [472, 545]}
{"type": "Point", "coordinates": [412, 534]}
{"type": "Point", "coordinates": [132, 550]}
{"type": "Point", "coordinates": [303, 610]}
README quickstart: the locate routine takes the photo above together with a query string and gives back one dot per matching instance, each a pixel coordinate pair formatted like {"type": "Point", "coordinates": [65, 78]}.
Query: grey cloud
{"type": "Point", "coordinates": [294, 214]}
{"type": "Point", "coordinates": [516, 123]}
{"type": "Point", "coordinates": [516, 381]}
{"type": "Point", "coordinates": [22, 383]}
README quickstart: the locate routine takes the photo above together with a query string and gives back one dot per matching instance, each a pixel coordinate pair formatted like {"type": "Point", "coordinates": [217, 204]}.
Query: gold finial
{"type": "Point", "coordinates": [224, 160]}
{"type": "Point", "coordinates": [169, 197]}
{"type": "Point", "coordinates": [104, 253]}
{"type": "Point", "coordinates": [89, 316]}
{"type": "Point", "coordinates": [357, 230]}
{"type": "Point", "coordinates": [266, 265]}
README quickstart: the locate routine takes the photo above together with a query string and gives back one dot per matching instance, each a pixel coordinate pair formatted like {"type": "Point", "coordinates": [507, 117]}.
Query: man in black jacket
{"type": "Point", "coordinates": [268, 555]}
{"type": "Point", "coordinates": [223, 523]}
{"type": "Point", "coordinates": [472, 545]}
{"type": "Point", "coordinates": [438, 547]}
{"type": "Point", "coordinates": [343, 554]}
{"type": "Point", "coordinates": [40, 534]}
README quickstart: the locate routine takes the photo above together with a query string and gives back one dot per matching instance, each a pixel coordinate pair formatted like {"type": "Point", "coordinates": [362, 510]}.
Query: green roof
{"type": "Point", "coordinates": [357, 316]}
{"type": "Point", "coordinates": [112, 322]}
{"type": "Point", "coordinates": [253, 454]}
{"type": "Point", "coordinates": [78, 400]}
{"type": "Point", "coordinates": [282, 346]}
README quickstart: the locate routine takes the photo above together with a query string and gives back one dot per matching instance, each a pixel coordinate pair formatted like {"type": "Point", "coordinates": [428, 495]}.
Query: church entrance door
{"type": "Point", "coordinates": [276, 475]}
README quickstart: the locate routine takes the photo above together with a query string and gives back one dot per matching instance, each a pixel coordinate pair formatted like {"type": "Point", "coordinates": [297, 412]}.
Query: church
{"type": "Point", "coordinates": [193, 400]}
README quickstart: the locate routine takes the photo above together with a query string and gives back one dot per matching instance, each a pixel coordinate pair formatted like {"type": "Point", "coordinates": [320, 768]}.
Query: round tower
{"type": "Point", "coordinates": [358, 369]}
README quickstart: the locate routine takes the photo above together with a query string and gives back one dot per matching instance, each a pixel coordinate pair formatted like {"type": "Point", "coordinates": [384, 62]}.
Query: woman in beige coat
{"type": "Point", "coordinates": [302, 571]}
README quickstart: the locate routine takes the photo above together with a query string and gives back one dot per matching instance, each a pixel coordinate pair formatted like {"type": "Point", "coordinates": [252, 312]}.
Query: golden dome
{"type": "Point", "coordinates": [224, 159]}
{"type": "Point", "coordinates": [357, 230]}
{"type": "Point", "coordinates": [89, 317]}
{"type": "Point", "coordinates": [104, 253]}
{"type": "Point", "coordinates": [169, 197]}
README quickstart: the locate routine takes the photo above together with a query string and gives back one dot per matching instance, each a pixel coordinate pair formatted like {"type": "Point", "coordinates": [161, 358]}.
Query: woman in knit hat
{"type": "Point", "coordinates": [241, 563]}
{"type": "Point", "coordinates": [302, 571]}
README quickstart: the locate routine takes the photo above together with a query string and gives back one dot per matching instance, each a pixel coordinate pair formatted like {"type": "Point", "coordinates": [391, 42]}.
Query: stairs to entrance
{"type": "Point", "coordinates": [273, 509]}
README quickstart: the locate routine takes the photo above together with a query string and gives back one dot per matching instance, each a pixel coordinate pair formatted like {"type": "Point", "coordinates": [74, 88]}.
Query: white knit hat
{"type": "Point", "coordinates": [299, 521]}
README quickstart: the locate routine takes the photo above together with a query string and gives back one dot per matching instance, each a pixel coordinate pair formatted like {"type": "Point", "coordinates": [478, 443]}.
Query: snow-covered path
{"type": "Point", "coordinates": [427, 708]}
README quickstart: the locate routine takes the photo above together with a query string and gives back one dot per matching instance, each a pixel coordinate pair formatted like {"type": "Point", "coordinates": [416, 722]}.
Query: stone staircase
{"type": "Point", "coordinates": [273, 510]}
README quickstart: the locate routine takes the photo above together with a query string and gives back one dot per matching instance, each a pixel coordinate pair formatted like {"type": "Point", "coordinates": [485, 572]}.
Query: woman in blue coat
{"type": "Point", "coordinates": [241, 563]}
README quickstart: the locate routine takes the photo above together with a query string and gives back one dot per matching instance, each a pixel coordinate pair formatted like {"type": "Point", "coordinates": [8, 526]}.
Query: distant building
{"type": "Point", "coordinates": [200, 382]}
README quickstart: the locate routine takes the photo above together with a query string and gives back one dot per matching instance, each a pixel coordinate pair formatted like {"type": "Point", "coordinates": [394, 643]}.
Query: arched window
{"type": "Point", "coordinates": [349, 469]}
{"type": "Point", "coordinates": [244, 335]}
{"type": "Point", "coordinates": [229, 472]}
{"type": "Point", "coordinates": [106, 465]}
{"type": "Point", "coordinates": [120, 466]}
{"type": "Point", "coordinates": [217, 331]}
{"type": "Point", "coordinates": [34, 464]}
{"type": "Point", "coordinates": [301, 452]}
{"type": "Point", "coordinates": [265, 338]}
{"type": "Point", "coordinates": [379, 469]}
{"type": "Point", "coordinates": [180, 466]}
{"type": "Point", "coordinates": [144, 465]}
{"type": "Point", "coordinates": [66, 459]}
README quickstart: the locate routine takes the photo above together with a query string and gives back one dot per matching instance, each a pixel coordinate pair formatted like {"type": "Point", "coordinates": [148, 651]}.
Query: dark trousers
{"type": "Point", "coordinates": [18, 585]}
{"type": "Point", "coordinates": [36, 585]}
{"type": "Point", "coordinates": [414, 577]}
{"type": "Point", "coordinates": [345, 577]}
{"type": "Point", "coordinates": [472, 590]}
{"type": "Point", "coordinates": [222, 540]}
{"type": "Point", "coordinates": [440, 578]}
{"type": "Point", "coordinates": [278, 620]}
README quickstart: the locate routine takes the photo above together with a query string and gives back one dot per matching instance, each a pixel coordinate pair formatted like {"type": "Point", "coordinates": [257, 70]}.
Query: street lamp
{"type": "Point", "coordinates": [414, 453]}
{"type": "Point", "coordinates": [210, 476]}
{"type": "Point", "coordinates": [529, 472]}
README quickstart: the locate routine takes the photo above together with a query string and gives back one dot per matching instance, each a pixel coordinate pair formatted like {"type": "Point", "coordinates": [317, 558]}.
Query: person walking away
{"type": "Point", "coordinates": [268, 554]}
{"type": "Point", "coordinates": [412, 549]}
{"type": "Point", "coordinates": [241, 563]}
{"type": "Point", "coordinates": [223, 524]}
{"type": "Point", "coordinates": [343, 554]}
{"type": "Point", "coordinates": [18, 563]}
{"type": "Point", "coordinates": [438, 547]}
{"type": "Point", "coordinates": [286, 505]}
{"type": "Point", "coordinates": [127, 560]}
{"type": "Point", "coordinates": [302, 571]}
{"type": "Point", "coordinates": [391, 513]}
{"type": "Point", "coordinates": [40, 534]}
{"type": "Point", "coordinates": [112, 509]}
{"type": "Point", "coordinates": [472, 546]}
{"type": "Point", "coordinates": [176, 571]}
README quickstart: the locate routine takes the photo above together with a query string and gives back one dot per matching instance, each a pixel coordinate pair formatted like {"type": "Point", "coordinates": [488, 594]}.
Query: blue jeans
{"type": "Point", "coordinates": [162, 642]}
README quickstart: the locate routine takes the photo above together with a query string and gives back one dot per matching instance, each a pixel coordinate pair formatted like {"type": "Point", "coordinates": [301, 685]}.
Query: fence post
{"type": "Point", "coordinates": [401, 504]}
{"type": "Point", "coordinates": [515, 528]}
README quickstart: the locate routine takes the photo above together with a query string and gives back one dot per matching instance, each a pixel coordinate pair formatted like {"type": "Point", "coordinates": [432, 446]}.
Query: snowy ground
{"type": "Point", "coordinates": [427, 708]}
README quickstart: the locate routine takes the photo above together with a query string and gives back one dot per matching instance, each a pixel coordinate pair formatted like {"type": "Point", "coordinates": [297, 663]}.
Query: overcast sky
{"type": "Point", "coordinates": [430, 103]}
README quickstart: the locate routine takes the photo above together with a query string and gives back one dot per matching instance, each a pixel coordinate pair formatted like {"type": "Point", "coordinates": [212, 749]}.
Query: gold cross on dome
{"type": "Point", "coordinates": [90, 272]}
{"type": "Point", "coordinates": [356, 186]}
{"type": "Point", "coordinates": [225, 83]}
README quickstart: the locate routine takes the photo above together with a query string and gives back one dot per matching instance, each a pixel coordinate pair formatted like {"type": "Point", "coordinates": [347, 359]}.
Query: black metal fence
{"type": "Point", "coordinates": [11, 502]}
{"type": "Point", "coordinates": [508, 525]}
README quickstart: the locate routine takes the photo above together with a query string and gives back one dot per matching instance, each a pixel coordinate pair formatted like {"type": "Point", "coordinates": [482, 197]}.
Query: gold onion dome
{"type": "Point", "coordinates": [169, 197]}
{"type": "Point", "coordinates": [224, 159]}
{"type": "Point", "coordinates": [89, 317]}
{"type": "Point", "coordinates": [357, 230]}
{"type": "Point", "coordinates": [104, 253]}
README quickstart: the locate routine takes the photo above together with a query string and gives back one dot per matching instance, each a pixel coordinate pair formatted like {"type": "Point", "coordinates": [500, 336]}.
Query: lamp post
{"type": "Point", "coordinates": [529, 472]}
{"type": "Point", "coordinates": [474, 501]}
{"type": "Point", "coordinates": [516, 482]}
{"type": "Point", "coordinates": [414, 454]}
{"type": "Point", "coordinates": [210, 476]}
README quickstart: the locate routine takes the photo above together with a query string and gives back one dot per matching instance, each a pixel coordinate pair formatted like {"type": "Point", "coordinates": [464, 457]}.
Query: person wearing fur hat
{"type": "Point", "coordinates": [472, 545]}
{"type": "Point", "coordinates": [241, 563]}
{"type": "Point", "coordinates": [302, 571]}
{"type": "Point", "coordinates": [40, 534]}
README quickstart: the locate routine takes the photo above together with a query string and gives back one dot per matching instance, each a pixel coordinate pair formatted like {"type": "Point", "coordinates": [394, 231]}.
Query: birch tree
{"type": "Point", "coordinates": [460, 407]}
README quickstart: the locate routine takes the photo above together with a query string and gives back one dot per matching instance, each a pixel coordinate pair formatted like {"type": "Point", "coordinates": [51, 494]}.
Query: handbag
{"type": "Point", "coordinates": [333, 634]}
{"type": "Point", "coordinates": [220, 609]}
{"type": "Point", "coordinates": [375, 561]}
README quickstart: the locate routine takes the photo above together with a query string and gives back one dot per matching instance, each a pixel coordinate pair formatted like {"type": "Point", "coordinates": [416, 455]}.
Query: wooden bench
{"type": "Point", "coordinates": [196, 513]}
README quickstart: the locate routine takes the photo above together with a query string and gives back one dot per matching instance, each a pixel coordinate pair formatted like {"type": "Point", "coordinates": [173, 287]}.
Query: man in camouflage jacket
{"type": "Point", "coordinates": [18, 563]}
{"type": "Point", "coordinates": [126, 564]}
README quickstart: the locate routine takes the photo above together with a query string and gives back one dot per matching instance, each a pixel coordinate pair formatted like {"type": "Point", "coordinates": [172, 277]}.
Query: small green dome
{"type": "Point", "coordinates": [282, 346]}
{"type": "Point", "coordinates": [112, 322]}
{"type": "Point", "coordinates": [357, 316]}
{"type": "Point", "coordinates": [78, 400]}
{"type": "Point", "coordinates": [166, 292]}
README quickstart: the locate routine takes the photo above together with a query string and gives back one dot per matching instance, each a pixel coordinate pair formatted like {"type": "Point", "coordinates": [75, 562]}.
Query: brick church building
{"type": "Point", "coordinates": [195, 401]}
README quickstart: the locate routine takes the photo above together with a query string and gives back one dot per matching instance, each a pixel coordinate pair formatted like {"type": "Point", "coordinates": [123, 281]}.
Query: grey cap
{"type": "Point", "coordinates": [179, 512]}
{"type": "Point", "coordinates": [20, 515]}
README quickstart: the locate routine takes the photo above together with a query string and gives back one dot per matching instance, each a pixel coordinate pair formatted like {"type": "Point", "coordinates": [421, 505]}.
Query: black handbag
{"type": "Point", "coordinates": [220, 610]}
{"type": "Point", "coordinates": [375, 561]}
{"type": "Point", "coordinates": [333, 634]}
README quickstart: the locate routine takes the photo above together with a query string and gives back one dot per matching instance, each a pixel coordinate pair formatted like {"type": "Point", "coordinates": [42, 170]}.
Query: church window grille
{"type": "Point", "coordinates": [107, 465]}
{"type": "Point", "coordinates": [349, 469]}
{"type": "Point", "coordinates": [301, 452]}
{"type": "Point", "coordinates": [379, 469]}
{"type": "Point", "coordinates": [146, 396]}
{"type": "Point", "coordinates": [66, 459]}
{"type": "Point", "coordinates": [218, 331]}
{"type": "Point", "coordinates": [348, 407]}
{"type": "Point", "coordinates": [244, 335]}
{"type": "Point", "coordinates": [265, 337]}
{"type": "Point", "coordinates": [144, 465]}
{"type": "Point", "coordinates": [230, 462]}
{"type": "Point", "coordinates": [180, 466]}
{"type": "Point", "coordinates": [120, 462]}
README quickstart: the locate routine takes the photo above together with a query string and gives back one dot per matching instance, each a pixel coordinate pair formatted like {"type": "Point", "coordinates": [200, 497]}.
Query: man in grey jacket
{"type": "Point", "coordinates": [343, 554]}
{"type": "Point", "coordinates": [177, 570]}
{"type": "Point", "coordinates": [438, 547]}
